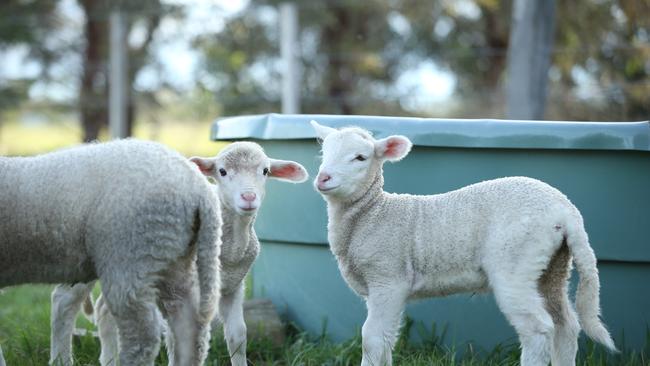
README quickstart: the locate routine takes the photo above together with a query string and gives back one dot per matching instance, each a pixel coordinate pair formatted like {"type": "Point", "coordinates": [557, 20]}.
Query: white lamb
{"type": "Point", "coordinates": [133, 214]}
{"type": "Point", "coordinates": [240, 171]}
{"type": "Point", "coordinates": [514, 236]}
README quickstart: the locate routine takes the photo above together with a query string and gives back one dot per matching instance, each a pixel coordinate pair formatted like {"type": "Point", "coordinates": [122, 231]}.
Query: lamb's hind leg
{"type": "Point", "coordinates": [187, 336]}
{"type": "Point", "coordinates": [108, 333]}
{"type": "Point", "coordinates": [133, 305]}
{"type": "Point", "coordinates": [554, 285]}
{"type": "Point", "coordinates": [66, 302]}
{"type": "Point", "coordinates": [523, 306]}
{"type": "Point", "coordinates": [514, 282]}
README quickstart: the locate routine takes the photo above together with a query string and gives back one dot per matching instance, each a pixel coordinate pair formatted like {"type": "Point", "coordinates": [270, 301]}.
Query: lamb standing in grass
{"type": "Point", "coordinates": [240, 170]}
{"type": "Point", "coordinates": [514, 236]}
{"type": "Point", "coordinates": [133, 214]}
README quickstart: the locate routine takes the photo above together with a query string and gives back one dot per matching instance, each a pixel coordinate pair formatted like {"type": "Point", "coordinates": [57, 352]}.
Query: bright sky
{"type": "Point", "coordinates": [425, 84]}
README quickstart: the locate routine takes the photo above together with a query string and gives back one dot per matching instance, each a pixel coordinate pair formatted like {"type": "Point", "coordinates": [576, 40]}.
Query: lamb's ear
{"type": "Point", "coordinates": [321, 131]}
{"type": "Point", "coordinates": [288, 171]}
{"type": "Point", "coordinates": [393, 148]}
{"type": "Point", "coordinates": [206, 165]}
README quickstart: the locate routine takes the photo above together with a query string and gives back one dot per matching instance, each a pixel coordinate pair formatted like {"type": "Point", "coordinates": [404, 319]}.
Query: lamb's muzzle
{"type": "Point", "coordinates": [322, 182]}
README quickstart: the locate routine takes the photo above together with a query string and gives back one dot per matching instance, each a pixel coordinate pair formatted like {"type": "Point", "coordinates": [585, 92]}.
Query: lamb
{"type": "Point", "coordinates": [133, 214]}
{"type": "Point", "coordinates": [240, 171]}
{"type": "Point", "coordinates": [514, 236]}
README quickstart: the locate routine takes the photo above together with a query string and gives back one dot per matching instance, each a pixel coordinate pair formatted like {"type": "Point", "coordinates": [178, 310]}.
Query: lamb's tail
{"type": "Point", "coordinates": [588, 292]}
{"type": "Point", "coordinates": [208, 241]}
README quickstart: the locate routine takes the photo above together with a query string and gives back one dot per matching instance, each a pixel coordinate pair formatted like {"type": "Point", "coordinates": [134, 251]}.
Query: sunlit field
{"type": "Point", "coordinates": [19, 139]}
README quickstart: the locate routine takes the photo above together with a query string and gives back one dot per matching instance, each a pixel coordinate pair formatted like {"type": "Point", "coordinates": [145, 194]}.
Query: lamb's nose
{"type": "Point", "coordinates": [248, 196]}
{"type": "Point", "coordinates": [323, 177]}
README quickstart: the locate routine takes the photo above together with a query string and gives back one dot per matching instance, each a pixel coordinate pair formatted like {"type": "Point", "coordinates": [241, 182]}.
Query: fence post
{"type": "Point", "coordinates": [289, 54]}
{"type": "Point", "coordinates": [529, 54]}
{"type": "Point", "coordinates": [118, 88]}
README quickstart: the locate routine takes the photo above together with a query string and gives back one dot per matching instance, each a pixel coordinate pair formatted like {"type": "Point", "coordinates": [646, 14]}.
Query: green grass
{"type": "Point", "coordinates": [24, 336]}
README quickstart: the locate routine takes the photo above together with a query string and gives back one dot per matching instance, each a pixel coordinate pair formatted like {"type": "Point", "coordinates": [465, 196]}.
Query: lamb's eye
{"type": "Point", "coordinates": [265, 171]}
{"type": "Point", "coordinates": [223, 172]}
{"type": "Point", "coordinates": [360, 158]}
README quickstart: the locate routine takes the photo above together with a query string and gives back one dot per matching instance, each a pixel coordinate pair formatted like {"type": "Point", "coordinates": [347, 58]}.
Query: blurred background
{"type": "Point", "coordinates": [188, 62]}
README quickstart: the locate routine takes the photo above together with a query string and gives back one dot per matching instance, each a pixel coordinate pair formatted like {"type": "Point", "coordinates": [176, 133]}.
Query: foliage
{"type": "Point", "coordinates": [608, 44]}
{"type": "Point", "coordinates": [354, 53]}
{"type": "Point", "coordinates": [143, 17]}
{"type": "Point", "coordinates": [29, 24]}
{"type": "Point", "coordinates": [228, 58]}
{"type": "Point", "coordinates": [350, 57]}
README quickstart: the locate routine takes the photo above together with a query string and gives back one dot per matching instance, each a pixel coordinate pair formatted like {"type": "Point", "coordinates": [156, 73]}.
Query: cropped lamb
{"type": "Point", "coordinates": [133, 214]}
{"type": "Point", "coordinates": [514, 236]}
{"type": "Point", "coordinates": [240, 170]}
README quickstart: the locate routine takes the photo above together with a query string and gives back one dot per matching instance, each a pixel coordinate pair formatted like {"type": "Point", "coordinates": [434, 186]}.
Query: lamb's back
{"type": "Point", "coordinates": [52, 205]}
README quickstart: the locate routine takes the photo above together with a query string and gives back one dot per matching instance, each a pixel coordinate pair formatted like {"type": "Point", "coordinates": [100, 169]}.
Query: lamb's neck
{"type": "Point", "coordinates": [237, 231]}
{"type": "Point", "coordinates": [344, 215]}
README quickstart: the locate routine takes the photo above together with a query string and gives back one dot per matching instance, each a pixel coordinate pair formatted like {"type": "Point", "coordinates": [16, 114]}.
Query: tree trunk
{"type": "Point", "coordinates": [497, 40]}
{"type": "Point", "coordinates": [93, 95]}
{"type": "Point", "coordinates": [339, 74]}
{"type": "Point", "coordinates": [137, 59]}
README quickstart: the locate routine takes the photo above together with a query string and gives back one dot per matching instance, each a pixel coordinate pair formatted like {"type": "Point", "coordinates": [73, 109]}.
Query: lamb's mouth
{"type": "Point", "coordinates": [248, 209]}
{"type": "Point", "coordinates": [328, 189]}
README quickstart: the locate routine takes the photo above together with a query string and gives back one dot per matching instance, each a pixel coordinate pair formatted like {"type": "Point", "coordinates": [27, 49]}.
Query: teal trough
{"type": "Point", "coordinates": [604, 168]}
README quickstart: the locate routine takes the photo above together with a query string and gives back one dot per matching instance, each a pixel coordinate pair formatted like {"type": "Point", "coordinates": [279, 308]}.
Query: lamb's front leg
{"type": "Point", "coordinates": [66, 303]}
{"type": "Point", "coordinates": [379, 333]}
{"type": "Point", "coordinates": [231, 314]}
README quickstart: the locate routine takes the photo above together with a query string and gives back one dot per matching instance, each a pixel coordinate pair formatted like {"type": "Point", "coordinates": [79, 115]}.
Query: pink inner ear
{"type": "Point", "coordinates": [204, 168]}
{"type": "Point", "coordinates": [285, 171]}
{"type": "Point", "coordinates": [393, 147]}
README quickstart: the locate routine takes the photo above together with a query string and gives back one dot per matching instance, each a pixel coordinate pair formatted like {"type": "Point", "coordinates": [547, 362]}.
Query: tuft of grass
{"type": "Point", "coordinates": [24, 324]}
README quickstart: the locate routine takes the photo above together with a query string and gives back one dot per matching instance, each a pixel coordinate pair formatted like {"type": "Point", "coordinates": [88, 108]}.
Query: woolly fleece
{"type": "Point", "coordinates": [514, 236]}
{"type": "Point", "coordinates": [133, 214]}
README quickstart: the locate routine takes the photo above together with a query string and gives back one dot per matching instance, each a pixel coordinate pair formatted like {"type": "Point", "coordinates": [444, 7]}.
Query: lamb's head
{"type": "Point", "coordinates": [241, 170]}
{"type": "Point", "coordinates": [352, 159]}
